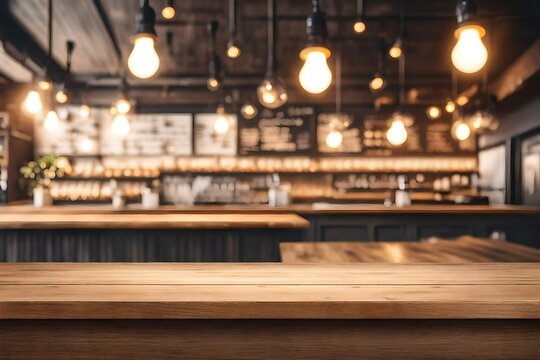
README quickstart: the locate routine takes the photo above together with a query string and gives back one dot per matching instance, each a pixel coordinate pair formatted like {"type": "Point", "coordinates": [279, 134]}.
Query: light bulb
{"type": "Point", "coordinates": [51, 120]}
{"type": "Point", "coordinates": [143, 62]}
{"type": "Point", "coordinates": [32, 103]}
{"type": "Point", "coordinates": [470, 54]}
{"type": "Point", "coordinates": [221, 124]}
{"type": "Point", "coordinates": [61, 96]}
{"type": "Point", "coordinates": [433, 112]}
{"type": "Point", "coordinates": [461, 130]}
{"type": "Point", "coordinates": [462, 100]}
{"type": "Point", "coordinates": [334, 139]}
{"type": "Point", "coordinates": [272, 94]}
{"type": "Point", "coordinates": [397, 133]}
{"type": "Point", "coordinates": [85, 145]}
{"type": "Point", "coordinates": [123, 106]}
{"type": "Point", "coordinates": [44, 85]}
{"type": "Point", "coordinates": [120, 125]}
{"type": "Point", "coordinates": [481, 120]}
{"type": "Point", "coordinates": [168, 12]}
{"type": "Point", "coordinates": [377, 83]}
{"type": "Point", "coordinates": [233, 51]}
{"type": "Point", "coordinates": [84, 111]}
{"type": "Point", "coordinates": [450, 107]}
{"type": "Point", "coordinates": [315, 76]}
{"type": "Point", "coordinates": [249, 111]}
{"type": "Point", "coordinates": [213, 84]}
{"type": "Point", "coordinates": [359, 26]}
{"type": "Point", "coordinates": [395, 51]}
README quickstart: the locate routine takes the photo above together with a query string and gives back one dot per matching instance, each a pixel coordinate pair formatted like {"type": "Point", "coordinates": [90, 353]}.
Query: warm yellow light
{"type": "Point", "coordinates": [221, 124]}
{"type": "Point", "coordinates": [397, 133]}
{"type": "Point", "coordinates": [120, 125]}
{"type": "Point", "coordinates": [84, 111]}
{"type": "Point", "coordinates": [469, 54]}
{"type": "Point", "coordinates": [376, 83]}
{"type": "Point", "coordinates": [44, 85]}
{"type": "Point", "coordinates": [334, 139]}
{"type": "Point", "coordinates": [212, 84]}
{"type": "Point", "coordinates": [32, 103]}
{"type": "Point", "coordinates": [85, 145]}
{"type": "Point", "coordinates": [395, 51]}
{"type": "Point", "coordinates": [123, 106]}
{"type": "Point", "coordinates": [61, 96]}
{"type": "Point", "coordinates": [168, 12]}
{"type": "Point", "coordinates": [315, 76]}
{"type": "Point", "coordinates": [233, 52]}
{"type": "Point", "coordinates": [272, 94]}
{"type": "Point", "coordinates": [450, 107]}
{"type": "Point", "coordinates": [249, 111]}
{"type": "Point", "coordinates": [433, 112]}
{"type": "Point", "coordinates": [143, 62]}
{"type": "Point", "coordinates": [51, 121]}
{"type": "Point", "coordinates": [462, 100]}
{"type": "Point", "coordinates": [359, 27]}
{"type": "Point", "coordinates": [461, 130]}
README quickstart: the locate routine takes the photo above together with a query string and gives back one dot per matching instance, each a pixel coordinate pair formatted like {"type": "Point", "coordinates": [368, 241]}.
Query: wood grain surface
{"type": "Point", "coordinates": [465, 249]}
{"type": "Point", "coordinates": [72, 220]}
{"type": "Point", "coordinates": [269, 291]}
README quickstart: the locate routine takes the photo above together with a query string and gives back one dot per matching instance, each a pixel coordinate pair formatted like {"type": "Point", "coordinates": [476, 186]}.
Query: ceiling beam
{"type": "Point", "coordinates": [104, 17]}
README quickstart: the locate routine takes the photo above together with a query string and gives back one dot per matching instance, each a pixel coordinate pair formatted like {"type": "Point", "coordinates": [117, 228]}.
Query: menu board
{"type": "Point", "coordinates": [286, 131]}
{"type": "Point", "coordinates": [149, 134]}
{"type": "Point", "coordinates": [74, 135]}
{"type": "Point", "coordinates": [439, 139]}
{"type": "Point", "coordinates": [344, 123]}
{"type": "Point", "coordinates": [210, 142]}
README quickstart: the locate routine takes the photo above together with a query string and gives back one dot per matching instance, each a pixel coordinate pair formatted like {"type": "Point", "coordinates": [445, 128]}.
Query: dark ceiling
{"type": "Point", "coordinates": [512, 27]}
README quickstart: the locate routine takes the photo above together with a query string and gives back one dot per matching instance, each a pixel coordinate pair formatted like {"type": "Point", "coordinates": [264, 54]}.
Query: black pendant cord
{"type": "Point", "coordinates": [360, 8]}
{"type": "Point", "coordinates": [50, 40]}
{"type": "Point", "coordinates": [402, 80]}
{"type": "Point", "coordinates": [70, 47]}
{"type": "Point", "coordinates": [402, 20]}
{"type": "Point", "coordinates": [454, 93]}
{"type": "Point", "coordinates": [232, 19]}
{"type": "Point", "coordinates": [272, 63]}
{"type": "Point", "coordinates": [485, 73]}
{"type": "Point", "coordinates": [338, 80]}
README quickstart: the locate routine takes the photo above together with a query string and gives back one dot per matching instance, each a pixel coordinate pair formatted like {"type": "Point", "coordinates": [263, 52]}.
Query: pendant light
{"type": "Point", "coordinates": [360, 23]}
{"type": "Point", "coordinates": [334, 138]}
{"type": "Point", "coordinates": [433, 112]}
{"type": "Point", "coordinates": [397, 134]}
{"type": "Point", "coordinates": [143, 62]}
{"type": "Point", "coordinates": [271, 92]}
{"type": "Point", "coordinates": [62, 94]}
{"type": "Point", "coordinates": [120, 125]}
{"type": "Point", "coordinates": [51, 121]}
{"type": "Point", "coordinates": [168, 11]}
{"type": "Point", "coordinates": [315, 76]}
{"type": "Point", "coordinates": [396, 50]}
{"type": "Point", "coordinates": [469, 55]}
{"type": "Point", "coordinates": [233, 50]}
{"type": "Point", "coordinates": [249, 110]}
{"type": "Point", "coordinates": [221, 123]}
{"type": "Point", "coordinates": [122, 104]}
{"type": "Point", "coordinates": [32, 103]}
{"type": "Point", "coordinates": [460, 129]}
{"type": "Point", "coordinates": [450, 106]}
{"type": "Point", "coordinates": [378, 82]}
{"type": "Point", "coordinates": [484, 118]}
{"type": "Point", "coordinates": [215, 77]}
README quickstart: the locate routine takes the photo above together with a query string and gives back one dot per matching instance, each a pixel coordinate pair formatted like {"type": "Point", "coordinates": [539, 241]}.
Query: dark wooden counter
{"type": "Point", "coordinates": [265, 311]}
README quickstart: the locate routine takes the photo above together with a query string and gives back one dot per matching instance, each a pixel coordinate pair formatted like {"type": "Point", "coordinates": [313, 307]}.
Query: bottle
{"type": "Point", "coordinates": [403, 196]}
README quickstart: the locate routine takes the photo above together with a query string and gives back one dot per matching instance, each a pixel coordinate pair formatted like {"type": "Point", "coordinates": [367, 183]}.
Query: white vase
{"type": "Point", "coordinates": [42, 197]}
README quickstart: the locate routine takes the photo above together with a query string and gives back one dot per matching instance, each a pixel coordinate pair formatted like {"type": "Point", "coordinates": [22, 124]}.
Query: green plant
{"type": "Point", "coordinates": [40, 172]}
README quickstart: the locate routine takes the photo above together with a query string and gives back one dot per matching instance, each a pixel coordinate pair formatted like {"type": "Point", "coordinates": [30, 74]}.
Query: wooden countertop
{"type": "Point", "coordinates": [73, 220]}
{"type": "Point", "coordinates": [300, 209]}
{"type": "Point", "coordinates": [269, 291]}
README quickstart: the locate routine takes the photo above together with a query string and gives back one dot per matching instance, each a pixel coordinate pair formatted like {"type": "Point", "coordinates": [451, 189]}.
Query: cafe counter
{"type": "Point", "coordinates": [239, 232]}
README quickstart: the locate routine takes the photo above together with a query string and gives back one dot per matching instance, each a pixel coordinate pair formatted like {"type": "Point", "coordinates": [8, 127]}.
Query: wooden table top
{"type": "Point", "coordinates": [154, 221]}
{"type": "Point", "coordinates": [465, 249]}
{"type": "Point", "coordinates": [269, 291]}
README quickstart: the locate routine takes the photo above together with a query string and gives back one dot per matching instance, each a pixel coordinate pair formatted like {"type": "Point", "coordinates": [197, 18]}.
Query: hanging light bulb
{"type": "Point", "coordinates": [61, 96]}
{"type": "Point", "coordinates": [214, 67]}
{"type": "Point", "coordinates": [122, 106]}
{"type": "Point", "coordinates": [233, 50]}
{"type": "Point", "coordinates": [44, 85]}
{"type": "Point", "coordinates": [450, 106]}
{"type": "Point", "coordinates": [359, 24]}
{"type": "Point", "coordinates": [120, 125]}
{"type": "Point", "coordinates": [433, 112]}
{"type": "Point", "coordinates": [397, 133]}
{"type": "Point", "coordinates": [481, 121]}
{"type": "Point", "coordinates": [315, 76]}
{"type": "Point", "coordinates": [469, 55]}
{"type": "Point", "coordinates": [32, 103]}
{"type": "Point", "coordinates": [334, 139]}
{"type": "Point", "coordinates": [460, 130]}
{"type": "Point", "coordinates": [462, 100]}
{"type": "Point", "coordinates": [84, 111]}
{"type": "Point", "coordinates": [377, 83]}
{"type": "Point", "coordinates": [248, 110]}
{"type": "Point", "coordinates": [272, 93]}
{"type": "Point", "coordinates": [213, 84]}
{"type": "Point", "coordinates": [168, 11]}
{"type": "Point", "coordinates": [221, 123]}
{"type": "Point", "coordinates": [51, 120]}
{"type": "Point", "coordinates": [396, 50]}
{"type": "Point", "coordinates": [143, 62]}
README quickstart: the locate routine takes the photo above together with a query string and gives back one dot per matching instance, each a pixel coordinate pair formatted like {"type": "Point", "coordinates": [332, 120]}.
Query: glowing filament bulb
{"type": "Point", "coordinates": [32, 102]}
{"type": "Point", "coordinates": [469, 55]}
{"type": "Point", "coordinates": [334, 139]}
{"type": "Point", "coordinates": [397, 134]}
{"type": "Point", "coordinates": [51, 121]}
{"type": "Point", "coordinates": [315, 76]}
{"type": "Point", "coordinates": [143, 62]}
{"type": "Point", "coordinates": [120, 125]}
{"type": "Point", "coordinates": [233, 51]}
{"type": "Point", "coordinates": [123, 106]}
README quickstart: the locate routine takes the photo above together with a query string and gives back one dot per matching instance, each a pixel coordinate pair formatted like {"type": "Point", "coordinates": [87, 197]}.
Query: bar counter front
{"type": "Point", "coordinates": [240, 233]}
